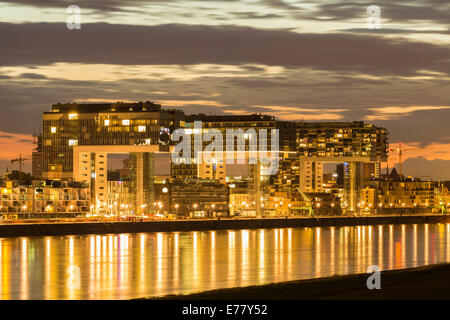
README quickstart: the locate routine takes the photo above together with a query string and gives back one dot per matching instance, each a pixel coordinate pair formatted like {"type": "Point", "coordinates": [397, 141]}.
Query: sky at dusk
{"type": "Point", "coordinates": [296, 60]}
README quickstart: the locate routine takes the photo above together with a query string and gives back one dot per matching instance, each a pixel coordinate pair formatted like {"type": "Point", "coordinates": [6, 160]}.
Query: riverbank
{"type": "Point", "coordinates": [74, 228]}
{"type": "Point", "coordinates": [429, 282]}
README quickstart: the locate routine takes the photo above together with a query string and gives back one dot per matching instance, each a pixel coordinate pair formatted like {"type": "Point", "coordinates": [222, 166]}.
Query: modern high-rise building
{"type": "Point", "coordinates": [354, 144]}
{"type": "Point", "coordinates": [249, 125]}
{"type": "Point", "coordinates": [77, 138]}
{"type": "Point", "coordinates": [73, 124]}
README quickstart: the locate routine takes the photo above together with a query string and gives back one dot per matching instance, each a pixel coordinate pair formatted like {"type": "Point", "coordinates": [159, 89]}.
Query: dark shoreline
{"type": "Point", "coordinates": [53, 229]}
{"type": "Point", "coordinates": [428, 282]}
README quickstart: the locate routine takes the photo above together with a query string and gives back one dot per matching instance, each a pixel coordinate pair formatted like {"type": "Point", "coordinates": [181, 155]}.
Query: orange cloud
{"type": "Point", "coordinates": [183, 103]}
{"type": "Point", "coordinates": [237, 112]}
{"type": "Point", "coordinates": [13, 144]}
{"type": "Point", "coordinates": [95, 100]}
{"type": "Point", "coordinates": [390, 112]}
{"type": "Point", "coordinates": [433, 151]}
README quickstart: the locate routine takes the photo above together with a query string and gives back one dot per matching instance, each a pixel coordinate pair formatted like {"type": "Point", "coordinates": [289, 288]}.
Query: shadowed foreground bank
{"type": "Point", "coordinates": [429, 282]}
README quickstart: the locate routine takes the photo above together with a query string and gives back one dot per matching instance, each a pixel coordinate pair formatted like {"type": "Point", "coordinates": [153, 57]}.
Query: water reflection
{"type": "Point", "coordinates": [153, 264]}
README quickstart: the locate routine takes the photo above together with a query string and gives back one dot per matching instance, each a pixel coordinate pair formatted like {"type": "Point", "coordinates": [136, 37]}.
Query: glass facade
{"type": "Point", "coordinates": [69, 125]}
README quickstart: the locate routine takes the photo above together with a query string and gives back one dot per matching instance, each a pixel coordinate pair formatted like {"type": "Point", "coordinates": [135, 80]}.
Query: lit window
{"type": "Point", "coordinates": [147, 141]}
{"type": "Point", "coordinates": [73, 116]}
{"type": "Point", "coordinates": [141, 128]}
{"type": "Point", "coordinates": [106, 122]}
{"type": "Point", "coordinates": [126, 122]}
{"type": "Point", "coordinates": [53, 129]}
{"type": "Point", "coordinates": [73, 142]}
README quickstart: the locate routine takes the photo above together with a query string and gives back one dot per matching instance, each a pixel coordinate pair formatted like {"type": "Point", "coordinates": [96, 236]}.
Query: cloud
{"type": "Point", "coordinates": [253, 15]}
{"type": "Point", "coordinates": [391, 11]}
{"type": "Point", "coordinates": [392, 111]}
{"type": "Point", "coordinates": [32, 76]}
{"type": "Point", "coordinates": [422, 128]}
{"type": "Point", "coordinates": [183, 103]}
{"type": "Point", "coordinates": [388, 31]}
{"type": "Point", "coordinates": [345, 96]}
{"type": "Point", "coordinates": [427, 169]}
{"type": "Point", "coordinates": [13, 144]}
{"type": "Point", "coordinates": [163, 44]}
{"type": "Point", "coordinates": [104, 5]}
{"type": "Point", "coordinates": [291, 113]}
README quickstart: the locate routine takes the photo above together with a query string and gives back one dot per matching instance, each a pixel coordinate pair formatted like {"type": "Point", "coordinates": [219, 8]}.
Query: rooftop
{"type": "Point", "coordinates": [104, 107]}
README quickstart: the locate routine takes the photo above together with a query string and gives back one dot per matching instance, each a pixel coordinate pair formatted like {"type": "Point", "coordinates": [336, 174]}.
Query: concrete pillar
{"type": "Point", "coordinates": [257, 187]}
{"type": "Point", "coordinates": [82, 166]}
{"type": "Point", "coordinates": [302, 177]}
{"type": "Point", "coordinates": [352, 186]}
{"type": "Point", "coordinates": [143, 179]}
{"type": "Point", "coordinates": [101, 181]}
{"type": "Point", "coordinates": [140, 194]}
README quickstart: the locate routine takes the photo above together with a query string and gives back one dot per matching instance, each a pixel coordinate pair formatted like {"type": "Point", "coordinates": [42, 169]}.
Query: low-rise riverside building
{"type": "Point", "coordinates": [199, 198]}
{"type": "Point", "coordinates": [119, 198]}
{"type": "Point", "coordinates": [242, 198]}
{"type": "Point", "coordinates": [396, 195]}
{"type": "Point", "coordinates": [44, 200]}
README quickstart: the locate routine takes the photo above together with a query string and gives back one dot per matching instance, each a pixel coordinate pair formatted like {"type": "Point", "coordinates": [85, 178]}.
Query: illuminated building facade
{"type": "Point", "coordinates": [398, 195]}
{"type": "Point", "coordinates": [353, 144]}
{"type": "Point", "coordinates": [210, 170]}
{"type": "Point", "coordinates": [73, 124]}
{"type": "Point", "coordinates": [199, 198]}
{"type": "Point", "coordinates": [44, 201]}
{"type": "Point", "coordinates": [119, 199]}
{"type": "Point", "coordinates": [77, 138]}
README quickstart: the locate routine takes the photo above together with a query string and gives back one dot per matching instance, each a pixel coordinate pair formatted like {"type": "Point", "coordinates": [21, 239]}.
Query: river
{"type": "Point", "coordinates": [124, 266]}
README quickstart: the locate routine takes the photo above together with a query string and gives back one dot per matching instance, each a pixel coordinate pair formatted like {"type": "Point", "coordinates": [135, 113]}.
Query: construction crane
{"type": "Point", "coordinates": [401, 155]}
{"type": "Point", "coordinates": [20, 160]}
{"type": "Point", "coordinates": [308, 205]}
{"type": "Point", "coordinates": [400, 151]}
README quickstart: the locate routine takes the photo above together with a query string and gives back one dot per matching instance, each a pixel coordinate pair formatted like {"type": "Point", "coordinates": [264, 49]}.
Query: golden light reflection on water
{"type": "Point", "coordinates": [426, 252]}
{"type": "Point", "coordinates": [24, 269]}
{"type": "Point", "coordinates": [317, 253]}
{"type": "Point", "coordinates": [262, 245]}
{"type": "Point", "coordinates": [153, 264]}
{"type": "Point", "coordinates": [447, 239]}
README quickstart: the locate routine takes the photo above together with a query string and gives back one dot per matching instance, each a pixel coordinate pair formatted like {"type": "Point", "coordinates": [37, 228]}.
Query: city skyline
{"type": "Point", "coordinates": [313, 61]}
{"type": "Point", "coordinates": [227, 153]}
